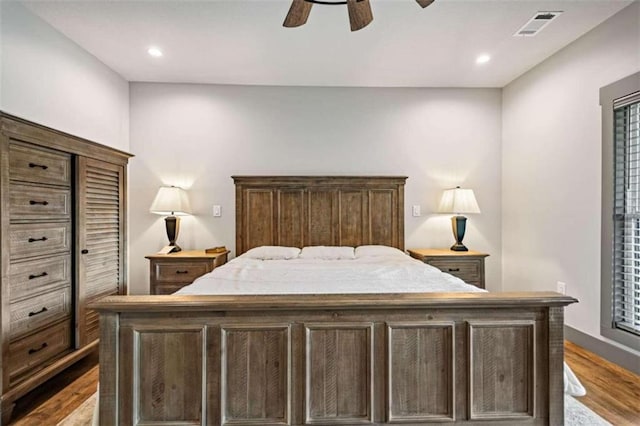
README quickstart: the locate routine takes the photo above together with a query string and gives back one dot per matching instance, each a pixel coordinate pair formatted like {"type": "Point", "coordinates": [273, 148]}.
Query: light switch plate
{"type": "Point", "coordinates": [217, 211]}
{"type": "Point", "coordinates": [416, 211]}
{"type": "Point", "coordinates": [562, 287]}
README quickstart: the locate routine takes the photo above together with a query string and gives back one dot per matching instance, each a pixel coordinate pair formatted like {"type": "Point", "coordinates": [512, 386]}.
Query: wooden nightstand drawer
{"type": "Point", "coordinates": [170, 272]}
{"type": "Point", "coordinates": [168, 288]}
{"type": "Point", "coordinates": [468, 266]}
{"type": "Point", "coordinates": [179, 272]}
{"type": "Point", "coordinates": [466, 270]}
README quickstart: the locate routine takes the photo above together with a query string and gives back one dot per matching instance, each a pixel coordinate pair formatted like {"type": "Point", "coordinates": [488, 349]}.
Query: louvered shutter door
{"type": "Point", "coordinates": [626, 250]}
{"type": "Point", "coordinates": [100, 239]}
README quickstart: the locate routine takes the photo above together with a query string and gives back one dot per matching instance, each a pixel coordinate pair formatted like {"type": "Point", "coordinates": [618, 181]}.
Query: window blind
{"type": "Point", "coordinates": [626, 250]}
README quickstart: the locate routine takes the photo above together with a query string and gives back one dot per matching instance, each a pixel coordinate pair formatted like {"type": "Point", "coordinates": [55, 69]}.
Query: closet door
{"type": "Point", "coordinates": [100, 235]}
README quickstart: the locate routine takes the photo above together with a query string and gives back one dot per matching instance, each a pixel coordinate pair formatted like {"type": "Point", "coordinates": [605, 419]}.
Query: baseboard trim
{"type": "Point", "coordinates": [606, 350]}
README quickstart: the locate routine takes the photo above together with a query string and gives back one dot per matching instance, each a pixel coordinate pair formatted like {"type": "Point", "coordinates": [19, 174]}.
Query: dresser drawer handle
{"type": "Point", "coordinates": [41, 311]}
{"type": "Point", "coordinates": [34, 276]}
{"type": "Point", "coordinates": [182, 272]}
{"type": "Point", "coordinates": [40, 166]}
{"type": "Point", "coordinates": [42, 203]}
{"type": "Point", "coordinates": [33, 240]}
{"type": "Point", "coordinates": [454, 269]}
{"type": "Point", "coordinates": [33, 351]}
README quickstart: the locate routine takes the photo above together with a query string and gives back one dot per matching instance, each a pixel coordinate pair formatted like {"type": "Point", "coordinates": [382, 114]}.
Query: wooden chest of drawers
{"type": "Point", "coordinates": [63, 245]}
{"type": "Point", "coordinates": [466, 265]}
{"type": "Point", "coordinates": [39, 283]}
{"type": "Point", "coordinates": [170, 272]}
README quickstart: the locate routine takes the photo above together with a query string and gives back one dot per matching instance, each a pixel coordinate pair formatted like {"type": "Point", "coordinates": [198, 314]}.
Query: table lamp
{"type": "Point", "coordinates": [171, 202]}
{"type": "Point", "coordinates": [458, 201]}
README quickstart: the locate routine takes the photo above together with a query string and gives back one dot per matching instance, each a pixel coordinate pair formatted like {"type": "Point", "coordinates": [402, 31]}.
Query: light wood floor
{"type": "Point", "coordinates": [50, 403]}
{"type": "Point", "coordinates": [612, 392]}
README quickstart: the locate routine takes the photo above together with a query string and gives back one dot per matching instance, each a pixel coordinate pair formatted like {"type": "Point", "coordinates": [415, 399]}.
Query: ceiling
{"type": "Point", "coordinates": [243, 41]}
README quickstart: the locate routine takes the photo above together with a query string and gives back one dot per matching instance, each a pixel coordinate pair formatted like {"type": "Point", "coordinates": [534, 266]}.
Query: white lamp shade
{"type": "Point", "coordinates": [458, 200]}
{"type": "Point", "coordinates": [171, 200]}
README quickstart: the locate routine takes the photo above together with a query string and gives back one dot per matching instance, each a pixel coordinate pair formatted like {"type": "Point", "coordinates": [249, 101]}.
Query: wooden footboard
{"type": "Point", "coordinates": [474, 358]}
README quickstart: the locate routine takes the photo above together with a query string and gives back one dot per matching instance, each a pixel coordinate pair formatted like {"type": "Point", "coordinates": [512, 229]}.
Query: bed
{"type": "Point", "coordinates": [351, 357]}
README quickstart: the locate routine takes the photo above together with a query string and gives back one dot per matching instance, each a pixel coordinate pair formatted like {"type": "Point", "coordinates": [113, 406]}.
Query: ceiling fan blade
{"type": "Point", "coordinates": [360, 14]}
{"type": "Point", "coordinates": [425, 3]}
{"type": "Point", "coordinates": [298, 14]}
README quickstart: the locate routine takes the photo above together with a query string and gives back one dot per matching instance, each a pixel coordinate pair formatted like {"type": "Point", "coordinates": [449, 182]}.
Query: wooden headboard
{"type": "Point", "coordinates": [300, 211]}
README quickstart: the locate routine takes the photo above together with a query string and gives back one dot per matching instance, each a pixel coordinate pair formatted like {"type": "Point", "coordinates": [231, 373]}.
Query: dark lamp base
{"type": "Point", "coordinates": [458, 225]}
{"type": "Point", "coordinates": [459, 247]}
{"type": "Point", "coordinates": [172, 224]}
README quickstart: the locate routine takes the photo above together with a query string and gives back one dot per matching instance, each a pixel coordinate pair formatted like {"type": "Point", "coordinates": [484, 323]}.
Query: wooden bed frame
{"type": "Point", "coordinates": [437, 358]}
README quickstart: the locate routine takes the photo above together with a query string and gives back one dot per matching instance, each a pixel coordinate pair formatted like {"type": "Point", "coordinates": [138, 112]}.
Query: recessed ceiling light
{"type": "Point", "coordinates": [483, 59]}
{"type": "Point", "coordinates": [155, 52]}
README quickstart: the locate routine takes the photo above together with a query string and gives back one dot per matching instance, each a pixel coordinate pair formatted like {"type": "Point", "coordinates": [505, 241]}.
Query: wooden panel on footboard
{"type": "Point", "coordinates": [502, 379]}
{"type": "Point", "coordinates": [472, 358]}
{"type": "Point", "coordinates": [421, 371]}
{"type": "Point", "coordinates": [255, 379]}
{"type": "Point", "coordinates": [166, 379]}
{"type": "Point", "coordinates": [339, 373]}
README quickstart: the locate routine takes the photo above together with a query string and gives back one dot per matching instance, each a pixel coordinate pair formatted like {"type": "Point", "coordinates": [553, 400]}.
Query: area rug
{"type": "Point", "coordinates": [576, 414]}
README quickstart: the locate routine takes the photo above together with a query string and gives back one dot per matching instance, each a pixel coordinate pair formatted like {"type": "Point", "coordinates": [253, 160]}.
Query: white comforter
{"type": "Point", "coordinates": [393, 274]}
{"type": "Point", "coordinates": [378, 274]}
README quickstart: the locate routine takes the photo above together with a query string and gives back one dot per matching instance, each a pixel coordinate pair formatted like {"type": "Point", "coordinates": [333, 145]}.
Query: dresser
{"type": "Point", "coordinates": [466, 265]}
{"type": "Point", "coordinates": [168, 273]}
{"type": "Point", "coordinates": [62, 240]}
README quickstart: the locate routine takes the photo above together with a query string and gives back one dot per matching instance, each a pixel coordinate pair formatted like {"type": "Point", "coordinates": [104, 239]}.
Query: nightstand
{"type": "Point", "coordinates": [170, 272]}
{"type": "Point", "coordinates": [466, 265]}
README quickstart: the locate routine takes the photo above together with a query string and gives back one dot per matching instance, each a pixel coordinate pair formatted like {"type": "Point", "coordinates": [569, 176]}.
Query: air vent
{"type": "Point", "coordinates": [536, 24]}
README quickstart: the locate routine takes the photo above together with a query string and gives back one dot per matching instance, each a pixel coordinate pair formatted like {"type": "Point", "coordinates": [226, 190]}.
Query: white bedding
{"type": "Point", "coordinates": [396, 273]}
{"type": "Point", "coordinates": [375, 274]}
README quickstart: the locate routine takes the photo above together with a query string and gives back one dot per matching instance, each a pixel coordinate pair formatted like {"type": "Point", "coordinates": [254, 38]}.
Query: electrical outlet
{"type": "Point", "coordinates": [416, 211]}
{"type": "Point", "coordinates": [562, 287]}
{"type": "Point", "coordinates": [216, 211]}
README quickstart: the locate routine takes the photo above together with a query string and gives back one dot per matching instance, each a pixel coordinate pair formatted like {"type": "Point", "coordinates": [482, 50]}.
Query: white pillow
{"type": "Point", "coordinates": [272, 253]}
{"type": "Point", "coordinates": [375, 251]}
{"type": "Point", "coordinates": [327, 253]}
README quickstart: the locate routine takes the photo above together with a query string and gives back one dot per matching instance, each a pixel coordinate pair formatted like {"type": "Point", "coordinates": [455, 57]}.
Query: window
{"type": "Point", "coordinates": [626, 217]}
{"type": "Point", "coordinates": [620, 294]}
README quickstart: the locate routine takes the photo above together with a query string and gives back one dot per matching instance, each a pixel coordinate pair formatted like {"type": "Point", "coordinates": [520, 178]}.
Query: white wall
{"type": "Point", "coordinates": [47, 78]}
{"type": "Point", "coordinates": [197, 136]}
{"type": "Point", "coordinates": [551, 166]}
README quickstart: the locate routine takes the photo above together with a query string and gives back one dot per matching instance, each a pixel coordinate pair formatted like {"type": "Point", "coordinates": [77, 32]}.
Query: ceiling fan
{"type": "Point", "coordinates": [359, 12]}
